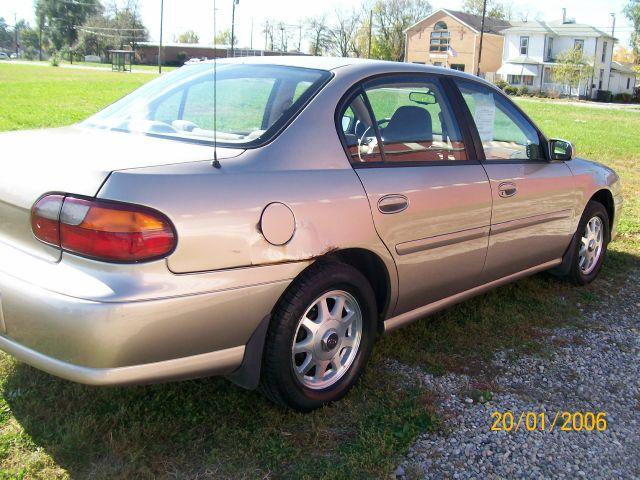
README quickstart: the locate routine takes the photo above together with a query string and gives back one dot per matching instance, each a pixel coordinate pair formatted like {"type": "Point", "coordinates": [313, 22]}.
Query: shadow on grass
{"type": "Point", "coordinates": [209, 427]}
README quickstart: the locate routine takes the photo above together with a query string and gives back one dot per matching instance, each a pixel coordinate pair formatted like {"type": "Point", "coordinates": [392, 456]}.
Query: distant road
{"type": "Point", "coordinates": [105, 68]}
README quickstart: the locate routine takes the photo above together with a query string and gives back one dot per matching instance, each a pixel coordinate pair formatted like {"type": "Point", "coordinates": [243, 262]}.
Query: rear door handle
{"type": "Point", "coordinates": [507, 189]}
{"type": "Point", "coordinates": [393, 203]}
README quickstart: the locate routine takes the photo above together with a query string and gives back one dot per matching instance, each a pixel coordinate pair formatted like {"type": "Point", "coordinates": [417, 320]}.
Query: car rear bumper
{"type": "Point", "coordinates": [124, 324]}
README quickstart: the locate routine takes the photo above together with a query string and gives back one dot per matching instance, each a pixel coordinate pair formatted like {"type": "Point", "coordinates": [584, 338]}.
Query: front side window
{"type": "Point", "coordinates": [524, 46]}
{"type": "Point", "coordinates": [251, 104]}
{"type": "Point", "coordinates": [415, 121]}
{"type": "Point", "coordinates": [505, 133]}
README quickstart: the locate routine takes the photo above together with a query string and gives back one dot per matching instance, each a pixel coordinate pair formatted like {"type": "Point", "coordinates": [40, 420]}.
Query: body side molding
{"type": "Point", "coordinates": [413, 315]}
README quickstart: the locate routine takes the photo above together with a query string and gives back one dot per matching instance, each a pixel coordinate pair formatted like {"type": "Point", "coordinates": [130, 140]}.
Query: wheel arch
{"type": "Point", "coordinates": [365, 261]}
{"type": "Point", "coordinates": [605, 197]}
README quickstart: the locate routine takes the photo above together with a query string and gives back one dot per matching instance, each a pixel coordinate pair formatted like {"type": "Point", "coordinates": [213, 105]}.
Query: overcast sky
{"type": "Point", "coordinates": [181, 15]}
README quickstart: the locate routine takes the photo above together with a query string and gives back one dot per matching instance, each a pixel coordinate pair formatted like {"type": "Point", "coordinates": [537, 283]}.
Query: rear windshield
{"type": "Point", "coordinates": [253, 102]}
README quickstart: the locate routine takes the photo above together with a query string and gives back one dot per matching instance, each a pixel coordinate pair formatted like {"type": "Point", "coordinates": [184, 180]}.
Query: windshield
{"type": "Point", "coordinates": [253, 103]}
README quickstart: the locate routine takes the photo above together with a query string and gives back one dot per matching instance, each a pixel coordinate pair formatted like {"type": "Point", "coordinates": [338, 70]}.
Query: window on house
{"type": "Point", "coordinates": [457, 66]}
{"type": "Point", "coordinates": [514, 79]}
{"type": "Point", "coordinates": [628, 83]}
{"type": "Point", "coordinates": [439, 38]}
{"type": "Point", "coordinates": [550, 48]}
{"type": "Point", "coordinates": [527, 80]}
{"type": "Point", "coordinates": [601, 78]}
{"type": "Point", "coordinates": [578, 44]}
{"type": "Point", "coordinates": [524, 45]}
{"type": "Point", "coordinates": [604, 52]}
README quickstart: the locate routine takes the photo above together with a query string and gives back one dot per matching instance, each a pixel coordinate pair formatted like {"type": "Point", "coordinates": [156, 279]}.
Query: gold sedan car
{"type": "Point", "coordinates": [267, 219]}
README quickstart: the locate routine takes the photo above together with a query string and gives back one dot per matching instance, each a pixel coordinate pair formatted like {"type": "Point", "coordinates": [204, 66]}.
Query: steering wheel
{"type": "Point", "coordinates": [371, 142]}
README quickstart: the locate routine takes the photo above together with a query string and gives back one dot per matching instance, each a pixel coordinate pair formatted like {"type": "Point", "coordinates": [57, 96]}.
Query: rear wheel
{"type": "Point", "coordinates": [591, 245]}
{"type": "Point", "coordinates": [320, 337]}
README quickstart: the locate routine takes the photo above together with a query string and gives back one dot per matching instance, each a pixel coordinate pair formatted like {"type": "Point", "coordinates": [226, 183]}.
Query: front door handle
{"type": "Point", "coordinates": [393, 203]}
{"type": "Point", "coordinates": [507, 189]}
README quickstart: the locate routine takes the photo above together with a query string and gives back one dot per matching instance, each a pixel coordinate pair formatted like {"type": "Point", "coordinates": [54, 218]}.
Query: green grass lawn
{"type": "Point", "coordinates": [50, 428]}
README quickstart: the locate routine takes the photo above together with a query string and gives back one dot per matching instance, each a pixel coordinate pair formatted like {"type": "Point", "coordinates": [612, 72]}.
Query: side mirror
{"type": "Point", "coordinates": [561, 150]}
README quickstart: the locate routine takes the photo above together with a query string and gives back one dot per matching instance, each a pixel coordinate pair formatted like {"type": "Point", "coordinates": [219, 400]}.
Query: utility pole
{"type": "Point", "coordinates": [160, 43]}
{"type": "Point", "coordinates": [613, 24]}
{"type": "Point", "coordinates": [15, 31]}
{"type": "Point", "coordinates": [251, 42]}
{"type": "Point", "coordinates": [41, 26]}
{"type": "Point", "coordinates": [370, 33]}
{"type": "Point", "coordinates": [484, 13]}
{"type": "Point", "coordinates": [300, 38]}
{"type": "Point", "coordinates": [233, 25]}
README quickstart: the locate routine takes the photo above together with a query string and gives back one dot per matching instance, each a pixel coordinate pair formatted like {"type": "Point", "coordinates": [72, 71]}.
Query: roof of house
{"type": "Point", "coordinates": [557, 27]}
{"type": "Point", "coordinates": [474, 22]}
{"type": "Point", "coordinates": [622, 68]}
{"type": "Point", "coordinates": [491, 25]}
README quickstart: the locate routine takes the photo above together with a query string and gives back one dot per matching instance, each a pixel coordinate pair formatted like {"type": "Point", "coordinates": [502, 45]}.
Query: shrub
{"type": "Point", "coordinates": [54, 61]}
{"type": "Point", "coordinates": [622, 98]}
{"type": "Point", "coordinates": [181, 57]}
{"type": "Point", "coordinates": [510, 90]}
{"type": "Point", "coordinates": [553, 94]}
{"type": "Point", "coordinates": [501, 84]}
{"type": "Point", "coordinates": [523, 91]}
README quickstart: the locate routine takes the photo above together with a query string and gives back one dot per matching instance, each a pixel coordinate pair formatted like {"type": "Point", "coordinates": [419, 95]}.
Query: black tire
{"type": "Point", "coordinates": [575, 274]}
{"type": "Point", "coordinates": [278, 380]}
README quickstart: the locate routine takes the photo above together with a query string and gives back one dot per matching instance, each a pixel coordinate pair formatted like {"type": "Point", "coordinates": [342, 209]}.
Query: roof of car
{"type": "Point", "coordinates": [335, 63]}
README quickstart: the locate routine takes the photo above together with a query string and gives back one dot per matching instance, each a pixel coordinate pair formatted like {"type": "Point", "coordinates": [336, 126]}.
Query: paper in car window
{"type": "Point", "coordinates": [484, 115]}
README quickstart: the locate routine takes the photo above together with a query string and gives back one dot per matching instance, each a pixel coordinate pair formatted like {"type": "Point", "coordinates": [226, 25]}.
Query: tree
{"type": "Point", "coordinates": [495, 9]}
{"type": "Point", "coordinates": [624, 55]}
{"type": "Point", "coordinates": [116, 28]}
{"type": "Point", "coordinates": [63, 18]}
{"type": "Point", "coordinates": [341, 34]}
{"type": "Point", "coordinates": [223, 37]}
{"type": "Point", "coordinates": [632, 12]}
{"type": "Point", "coordinates": [318, 34]}
{"type": "Point", "coordinates": [572, 68]}
{"type": "Point", "coordinates": [188, 37]}
{"type": "Point", "coordinates": [390, 19]}
{"type": "Point", "coordinates": [6, 37]}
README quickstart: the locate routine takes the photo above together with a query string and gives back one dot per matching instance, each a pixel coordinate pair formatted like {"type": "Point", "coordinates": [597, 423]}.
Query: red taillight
{"type": "Point", "coordinates": [103, 230]}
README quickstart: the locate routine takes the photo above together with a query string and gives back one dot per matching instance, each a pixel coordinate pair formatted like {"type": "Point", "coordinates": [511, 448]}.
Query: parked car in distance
{"type": "Point", "coordinates": [4, 56]}
{"type": "Point", "coordinates": [272, 230]}
{"type": "Point", "coordinates": [13, 56]}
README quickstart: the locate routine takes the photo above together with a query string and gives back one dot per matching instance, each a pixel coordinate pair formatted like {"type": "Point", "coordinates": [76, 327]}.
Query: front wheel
{"type": "Point", "coordinates": [591, 246]}
{"type": "Point", "coordinates": [320, 337]}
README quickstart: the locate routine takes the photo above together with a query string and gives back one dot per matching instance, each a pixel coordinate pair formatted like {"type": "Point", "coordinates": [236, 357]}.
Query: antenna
{"type": "Point", "coordinates": [215, 163]}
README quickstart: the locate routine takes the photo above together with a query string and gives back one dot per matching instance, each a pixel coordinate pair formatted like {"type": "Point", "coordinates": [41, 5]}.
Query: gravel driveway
{"type": "Point", "coordinates": [593, 366]}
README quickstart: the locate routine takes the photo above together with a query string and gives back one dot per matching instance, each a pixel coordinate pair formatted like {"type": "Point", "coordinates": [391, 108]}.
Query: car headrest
{"type": "Point", "coordinates": [409, 124]}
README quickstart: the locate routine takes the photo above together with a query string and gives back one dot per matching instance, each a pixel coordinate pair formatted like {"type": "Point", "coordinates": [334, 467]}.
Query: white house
{"type": "Point", "coordinates": [531, 48]}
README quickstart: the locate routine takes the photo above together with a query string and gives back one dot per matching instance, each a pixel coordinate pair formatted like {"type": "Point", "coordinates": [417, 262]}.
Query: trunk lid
{"type": "Point", "coordinates": [74, 160]}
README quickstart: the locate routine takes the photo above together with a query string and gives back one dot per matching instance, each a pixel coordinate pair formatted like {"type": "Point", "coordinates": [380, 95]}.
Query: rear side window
{"type": "Point", "coordinates": [409, 116]}
{"type": "Point", "coordinates": [360, 133]}
{"type": "Point", "coordinates": [253, 102]}
{"type": "Point", "coordinates": [505, 133]}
